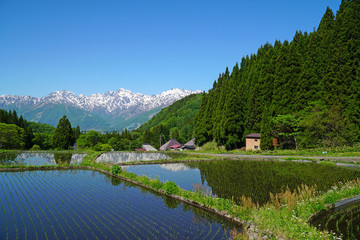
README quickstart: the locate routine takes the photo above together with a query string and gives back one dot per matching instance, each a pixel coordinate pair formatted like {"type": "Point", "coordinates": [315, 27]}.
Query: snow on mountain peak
{"type": "Point", "coordinates": [109, 102]}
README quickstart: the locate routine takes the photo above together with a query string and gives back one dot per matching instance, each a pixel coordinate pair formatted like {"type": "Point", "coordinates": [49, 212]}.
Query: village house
{"type": "Point", "coordinates": [190, 145]}
{"type": "Point", "coordinates": [171, 144]}
{"type": "Point", "coordinates": [253, 142]}
{"type": "Point", "coordinates": [148, 147]}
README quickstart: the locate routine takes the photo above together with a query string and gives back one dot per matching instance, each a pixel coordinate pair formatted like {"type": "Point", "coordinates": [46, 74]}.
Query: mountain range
{"type": "Point", "coordinates": [113, 110]}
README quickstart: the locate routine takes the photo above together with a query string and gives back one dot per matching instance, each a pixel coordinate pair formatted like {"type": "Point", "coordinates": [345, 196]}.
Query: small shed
{"type": "Point", "coordinates": [190, 145]}
{"type": "Point", "coordinates": [172, 142]}
{"type": "Point", "coordinates": [253, 141]}
{"type": "Point", "coordinates": [148, 147]}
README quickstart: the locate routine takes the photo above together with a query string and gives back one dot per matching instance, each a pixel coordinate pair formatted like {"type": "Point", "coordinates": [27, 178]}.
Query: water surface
{"type": "Point", "coordinates": [41, 159]}
{"type": "Point", "coordinates": [83, 204]}
{"type": "Point", "coordinates": [255, 179]}
{"type": "Point", "coordinates": [344, 221]}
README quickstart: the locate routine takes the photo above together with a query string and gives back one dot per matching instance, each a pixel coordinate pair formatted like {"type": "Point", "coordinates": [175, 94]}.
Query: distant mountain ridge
{"type": "Point", "coordinates": [112, 110]}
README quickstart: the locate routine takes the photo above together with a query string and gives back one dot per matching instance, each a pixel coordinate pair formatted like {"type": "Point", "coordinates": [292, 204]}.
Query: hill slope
{"type": "Point", "coordinates": [310, 85]}
{"type": "Point", "coordinates": [178, 117]}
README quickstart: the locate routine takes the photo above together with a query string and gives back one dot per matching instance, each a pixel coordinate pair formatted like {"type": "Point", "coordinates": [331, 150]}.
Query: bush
{"type": "Point", "coordinates": [105, 147]}
{"type": "Point", "coordinates": [212, 146]}
{"type": "Point", "coordinates": [116, 170]}
{"type": "Point", "coordinates": [156, 184]}
{"type": "Point", "coordinates": [35, 148]}
{"type": "Point", "coordinates": [171, 187]}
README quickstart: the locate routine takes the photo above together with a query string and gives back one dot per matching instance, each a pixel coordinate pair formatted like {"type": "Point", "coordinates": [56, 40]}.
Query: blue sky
{"type": "Point", "coordinates": [145, 46]}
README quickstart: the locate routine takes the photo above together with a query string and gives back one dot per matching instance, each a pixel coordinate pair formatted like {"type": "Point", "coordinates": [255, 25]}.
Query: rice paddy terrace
{"type": "Point", "coordinates": [255, 179]}
{"type": "Point", "coordinates": [85, 204]}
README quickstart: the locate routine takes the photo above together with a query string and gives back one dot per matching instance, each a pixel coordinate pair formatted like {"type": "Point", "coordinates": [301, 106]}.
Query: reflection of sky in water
{"type": "Point", "coordinates": [100, 206]}
{"type": "Point", "coordinates": [41, 159]}
{"type": "Point", "coordinates": [180, 173]}
{"type": "Point", "coordinates": [120, 157]}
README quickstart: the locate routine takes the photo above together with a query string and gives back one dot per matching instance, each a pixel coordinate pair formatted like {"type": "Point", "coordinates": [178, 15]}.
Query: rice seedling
{"type": "Point", "coordinates": [64, 197]}
{"type": "Point", "coordinates": [51, 213]}
{"type": "Point", "coordinates": [27, 212]}
{"type": "Point", "coordinates": [5, 219]}
{"type": "Point", "coordinates": [16, 205]}
{"type": "Point", "coordinates": [37, 184]}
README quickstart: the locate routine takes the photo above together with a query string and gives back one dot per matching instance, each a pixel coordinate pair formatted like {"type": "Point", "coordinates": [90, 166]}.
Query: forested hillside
{"type": "Point", "coordinates": [176, 121]}
{"type": "Point", "coordinates": [15, 132]}
{"type": "Point", "coordinates": [305, 92]}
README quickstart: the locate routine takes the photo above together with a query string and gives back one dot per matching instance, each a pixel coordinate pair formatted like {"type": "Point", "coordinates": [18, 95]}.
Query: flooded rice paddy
{"type": "Point", "coordinates": [83, 204]}
{"type": "Point", "coordinates": [40, 159]}
{"type": "Point", "coordinates": [255, 179]}
{"type": "Point", "coordinates": [345, 222]}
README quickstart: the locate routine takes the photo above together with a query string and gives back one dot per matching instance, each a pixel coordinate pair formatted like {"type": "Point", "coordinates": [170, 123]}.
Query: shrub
{"type": "Point", "coordinates": [116, 170]}
{"type": "Point", "coordinates": [35, 148]}
{"type": "Point", "coordinates": [209, 146]}
{"type": "Point", "coordinates": [171, 187]}
{"type": "Point", "coordinates": [156, 184]}
{"type": "Point", "coordinates": [105, 147]}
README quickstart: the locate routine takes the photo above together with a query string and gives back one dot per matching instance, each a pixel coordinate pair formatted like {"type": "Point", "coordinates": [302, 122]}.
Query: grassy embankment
{"type": "Point", "coordinates": [285, 215]}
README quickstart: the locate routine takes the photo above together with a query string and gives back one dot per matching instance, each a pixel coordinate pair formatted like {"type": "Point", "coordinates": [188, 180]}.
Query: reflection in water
{"type": "Point", "coordinates": [344, 222]}
{"type": "Point", "coordinates": [182, 174]}
{"type": "Point", "coordinates": [254, 179]}
{"type": "Point", "coordinates": [41, 159]}
{"type": "Point", "coordinates": [121, 157]}
{"type": "Point", "coordinates": [82, 204]}
{"type": "Point", "coordinates": [176, 167]}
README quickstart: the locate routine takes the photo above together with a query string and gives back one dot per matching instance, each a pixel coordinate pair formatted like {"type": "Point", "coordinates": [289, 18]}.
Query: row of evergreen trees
{"type": "Point", "coordinates": [15, 131]}
{"type": "Point", "coordinates": [306, 92]}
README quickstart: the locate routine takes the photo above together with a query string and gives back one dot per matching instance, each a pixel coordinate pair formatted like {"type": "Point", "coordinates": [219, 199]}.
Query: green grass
{"type": "Point", "coordinates": [344, 151]}
{"type": "Point", "coordinates": [286, 214]}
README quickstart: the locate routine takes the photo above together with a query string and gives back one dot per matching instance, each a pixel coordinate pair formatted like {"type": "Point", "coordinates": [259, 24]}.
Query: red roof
{"type": "Point", "coordinates": [175, 146]}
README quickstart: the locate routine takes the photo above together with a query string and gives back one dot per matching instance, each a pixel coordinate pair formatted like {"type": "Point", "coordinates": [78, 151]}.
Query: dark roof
{"type": "Point", "coordinates": [167, 145]}
{"type": "Point", "coordinates": [253, 135]}
{"type": "Point", "coordinates": [190, 144]}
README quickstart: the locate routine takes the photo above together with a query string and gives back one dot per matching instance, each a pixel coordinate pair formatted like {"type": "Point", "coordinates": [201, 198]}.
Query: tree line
{"type": "Point", "coordinates": [17, 133]}
{"type": "Point", "coordinates": [304, 92]}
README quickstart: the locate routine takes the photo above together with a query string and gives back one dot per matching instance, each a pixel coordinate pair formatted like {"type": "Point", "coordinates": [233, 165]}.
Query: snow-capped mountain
{"type": "Point", "coordinates": [101, 108]}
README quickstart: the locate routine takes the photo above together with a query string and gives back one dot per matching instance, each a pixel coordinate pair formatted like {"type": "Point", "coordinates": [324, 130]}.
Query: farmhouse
{"type": "Point", "coordinates": [171, 144]}
{"type": "Point", "coordinates": [253, 141]}
{"type": "Point", "coordinates": [190, 145]}
{"type": "Point", "coordinates": [148, 147]}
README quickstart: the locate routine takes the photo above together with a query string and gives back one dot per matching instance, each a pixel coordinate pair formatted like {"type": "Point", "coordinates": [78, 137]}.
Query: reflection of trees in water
{"type": "Point", "coordinates": [62, 158]}
{"type": "Point", "coordinates": [344, 222]}
{"type": "Point", "coordinates": [200, 216]}
{"type": "Point", "coordinates": [256, 179]}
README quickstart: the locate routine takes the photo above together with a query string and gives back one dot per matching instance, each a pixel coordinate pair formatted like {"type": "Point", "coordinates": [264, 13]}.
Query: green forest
{"type": "Point", "coordinates": [304, 92]}
{"type": "Point", "coordinates": [175, 121]}
{"type": "Point", "coordinates": [17, 133]}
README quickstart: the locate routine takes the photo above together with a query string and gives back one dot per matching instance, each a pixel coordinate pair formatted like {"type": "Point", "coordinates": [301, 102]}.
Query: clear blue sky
{"type": "Point", "coordinates": [88, 46]}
